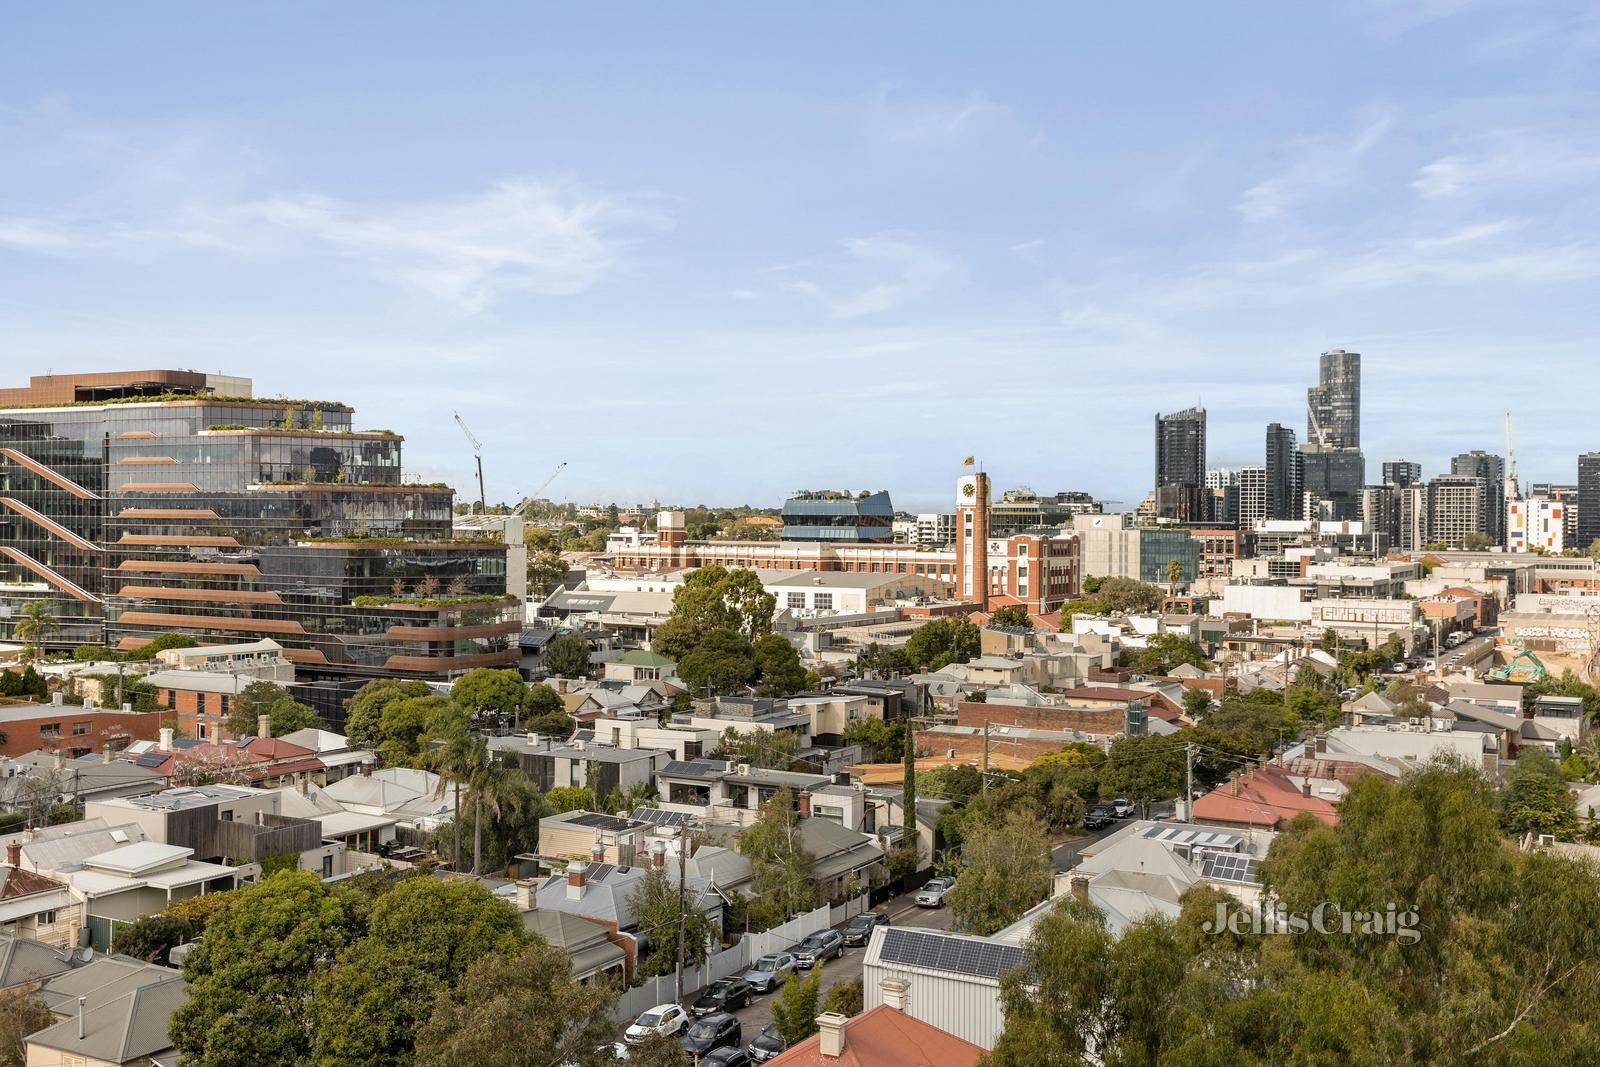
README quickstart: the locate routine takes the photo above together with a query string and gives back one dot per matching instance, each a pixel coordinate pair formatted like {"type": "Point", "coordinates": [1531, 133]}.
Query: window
{"type": "Point", "coordinates": [172, 699]}
{"type": "Point", "coordinates": [225, 702]}
{"type": "Point", "coordinates": [796, 601]}
{"type": "Point", "coordinates": [50, 729]}
{"type": "Point", "coordinates": [227, 816]}
{"type": "Point", "coordinates": [327, 866]}
{"type": "Point", "coordinates": [80, 728]}
{"type": "Point", "coordinates": [45, 918]}
{"type": "Point", "coordinates": [822, 601]}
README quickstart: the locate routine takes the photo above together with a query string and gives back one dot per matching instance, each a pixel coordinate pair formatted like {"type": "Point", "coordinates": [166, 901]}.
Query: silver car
{"type": "Point", "coordinates": [769, 972]}
{"type": "Point", "coordinates": [933, 892]}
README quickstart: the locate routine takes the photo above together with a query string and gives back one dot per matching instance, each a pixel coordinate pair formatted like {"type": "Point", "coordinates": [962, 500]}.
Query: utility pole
{"type": "Point", "coordinates": [1188, 782]}
{"type": "Point", "coordinates": [985, 785]}
{"type": "Point", "coordinates": [684, 841]}
{"type": "Point", "coordinates": [455, 862]}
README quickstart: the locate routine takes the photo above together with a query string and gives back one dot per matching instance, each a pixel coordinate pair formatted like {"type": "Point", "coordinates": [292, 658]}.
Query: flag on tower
{"type": "Point", "coordinates": [969, 461]}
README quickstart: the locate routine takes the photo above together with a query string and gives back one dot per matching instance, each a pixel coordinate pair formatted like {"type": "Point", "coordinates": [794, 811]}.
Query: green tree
{"type": "Point", "coordinates": [1011, 615]}
{"type": "Point", "coordinates": [1163, 652]}
{"type": "Point", "coordinates": [570, 798]}
{"type": "Point", "coordinates": [554, 724]}
{"type": "Point", "coordinates": [160, 643]}
{"type": "Point", "coordinates": [407, 724]}
{"type": "Point", "coordinates": [507, 833]}
{"type": "Point", "coordinates": [1144, 769]}
{"type": "Point", "coordinates": [567, 656]}
{"type": "Point", "coordinates": [422, 936]}
{"type": "Point", "coordinates": [723, 662]}
{"type": "Point", "coordinates": [286, 715]}
{"type": "Point", "coordinates": [542, 700]}
{"type": "Point", "coordinates": [759, 747]}
{"type": "Point", "coordinates": [1174, 573]}
{"type": "Point", "coordinates": [877, 661]}
{"type": "Point", "coordinates": [546, 568]}
{"type": "Point", "coordinates": [794, 1009]}
{"type": "Point", "coordinates": [35, 624]}
{"type": "Point", "coordinates": [1128, 595]}
{"type": "Point", "coordinates": [777, 667]}
{"type": "Point", "coordinates": [654, 906]}
{"type": "Point", "coordinates": [517, 1011]}
{"type": "Point", "coordinates": [845, 998]}
{"type": "Point", "coordinates": [1536, 798]}
{"type": "Point", "coordinates": [882, 742]}
{"type": "Point", "coordinates": [1005, 870]}
{"type": "Point", "coordinates": [710, 599]}
{"type": "Point", "coordinates": [491, 695]}
{"type": "Point", "coordinates": [250, 977]}
{"type": "Point", "coordinates": [364, 711]}
{"type": "Point", "coordinates": [940, 642]}
{"type": "Point", "coordinates": [780, 865]}
{"type": "Point", "coordinates": [1196, 703]}
{"type": "Point", "coordinates": [251, 702]}
{"type": "Point", "coordinates": [151, 937]}
{"type": "Point", "coordinates": [21, 1013]}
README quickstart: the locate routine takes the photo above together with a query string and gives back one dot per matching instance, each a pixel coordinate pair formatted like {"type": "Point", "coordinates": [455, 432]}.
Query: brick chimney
{"type": "Point", "coordinates": [597, 851]}
{"type": "Point", "coordinates": [805, 805]}
{"type": "Point", "coordinates": [527, 895]}
{"type": "Point", "coordinates": [1233, 783]}
{"type": "Point", "coordinates": [658, 854]}
{"type": "Point", "coordinates": [1080, 888]}
{"type": "Point", "coordinates": [577, 875]}
{"type": "Point", "coordinates": [1320, 745]}
{"type": "Point", "coordinates": [1305, 786]}
{"type": "Point", "coordinates": [263, 726]}
{"type": "Point", "coordinates": [896, 993]}
{"type": "Point", "coordinates": [830, 1025]}
{"type": "Point", "coordinates": [14, 854]}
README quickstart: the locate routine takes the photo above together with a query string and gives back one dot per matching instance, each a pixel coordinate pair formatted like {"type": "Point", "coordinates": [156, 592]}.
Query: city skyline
{"type": "Point", "coordinates": [1076, 226]}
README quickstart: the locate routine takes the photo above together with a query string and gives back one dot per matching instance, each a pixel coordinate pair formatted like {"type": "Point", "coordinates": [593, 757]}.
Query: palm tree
{"type": "Point", "coordinates": [1174, 574]}
{"type": "Point", "coordinates": [33, 626]}
{"type": "Point", "coordinates": [454, 762]}
{"type": "Point", "coordinates": [491, 785]}
{"type": "Point", "coordinates": [1589, 752]}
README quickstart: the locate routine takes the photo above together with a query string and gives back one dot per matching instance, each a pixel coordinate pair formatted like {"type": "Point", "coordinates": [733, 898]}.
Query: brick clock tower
{"type": "Point", "coordinates": [972, 539]}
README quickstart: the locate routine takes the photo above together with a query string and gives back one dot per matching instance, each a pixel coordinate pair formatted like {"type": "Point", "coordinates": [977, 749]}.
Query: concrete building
{"type": "Point", "coordinates": [1331, 481]}
{"type": "Point", "coordinates": [1536, 522]}
{"type": "Point", "coordinates": [1458, 506]}
{"type": "Point", "coordinates": [808, 594]}
{"type": "Point", "coordinates": [1113, 547]}
{"type": "Point", "coordinates": [1252, 496]}
{"type": "Point", "coordinates": [1285, 473]}
{"type": "Point", "coordinates": [1489, 469]}
{"type": "Point", "coordinates": [935, 529]}
{"type": "Point", "coordinates": [1402, 473]}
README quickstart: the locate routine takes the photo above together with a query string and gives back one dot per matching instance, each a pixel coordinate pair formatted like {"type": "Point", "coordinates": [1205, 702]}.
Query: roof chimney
{"type": "Point", "coordinates": [577, 875]}
{"type": "Point", "coordinates": [263, 726]}
{"type": "Point", "coordinates": [165, 744]}
{"type": "Point", "coordinates": [57, 699]}
{"type": "Point", "coordinates": [127, 705]}
{"type": "Point", "coordinates": [896, 993]}
{"type": "Point", "coordinates": [83, 1030]}
{"type": "Point", "coordinates": [805, 805]}
{"type": "Point", "coordinates": [1080, 888]}
{"type": "Point", "coordinates": [527, 895]}
{"type": "Point", "coordinates": [830, 1024]}
{"type": "Point", "coordinates": [14, 854]}
{"type": "Point", "coordinates": [1233, 783]}
{"type": "Point", "coordinates": [59, 760]}
{"type": "Point", "coordinates": [105, 752]}
{"type": "Point", "coordinates": [1305, 786]}
{"type": "Point", "coordinates": [597, 851]}
{"type": "Point", "coordinates": [658, 854]}
{"type": "Point", "coordinates": [1320, 745]}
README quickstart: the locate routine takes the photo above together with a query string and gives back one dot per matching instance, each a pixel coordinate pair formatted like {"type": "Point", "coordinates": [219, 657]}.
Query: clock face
{"type": "Point", "coordinates": [969, 490]}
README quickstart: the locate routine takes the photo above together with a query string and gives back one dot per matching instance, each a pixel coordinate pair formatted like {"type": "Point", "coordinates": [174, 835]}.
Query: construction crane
{"type": "Point", "coordinates": [531, 497]}
{"type": "Point", "coordinates": [477, 454]}
{"type": "Point", "coordinates": [1512, 492]}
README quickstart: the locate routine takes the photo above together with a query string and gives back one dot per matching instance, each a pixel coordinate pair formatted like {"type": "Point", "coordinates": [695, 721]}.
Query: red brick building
{"type": "Point", "coordinates": [73, 731]}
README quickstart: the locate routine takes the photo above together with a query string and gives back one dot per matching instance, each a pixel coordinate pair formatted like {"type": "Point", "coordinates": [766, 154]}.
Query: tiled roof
{"type": "Point", "coordinates": [1264, 798]}
{"type": "Point", "coordinates": [16, 882]}
{"type": "Point", "coordinates": [886, 1037]}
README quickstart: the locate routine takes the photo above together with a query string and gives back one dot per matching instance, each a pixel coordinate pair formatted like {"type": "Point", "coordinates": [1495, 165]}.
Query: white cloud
{"type": "Point", "coordinates": [874, 274]}
{"type": "Point", "coordinates": [1514, 161]}
{"type": "Point", "coordinates": [1314, 166]}
{"type": "Point", "coordinates": [937, 123]}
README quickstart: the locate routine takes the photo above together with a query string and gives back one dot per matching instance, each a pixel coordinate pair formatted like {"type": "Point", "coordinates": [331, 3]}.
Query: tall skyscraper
{"type": "Point", "coordinates": [1333, 405]}
{"type": "Point", "coordinates": [1490, 469]}
{"type": "Point", "coordinates": [1402, 473]}
{"type": "Point", "coordinates": [1181, 465]}
{"type": "Point", "coordinates": [1588, 500]}
{"type": "Point", "coordinates": [1283, 473]}
{"type": "Point", "coordinates": [1457, 507]}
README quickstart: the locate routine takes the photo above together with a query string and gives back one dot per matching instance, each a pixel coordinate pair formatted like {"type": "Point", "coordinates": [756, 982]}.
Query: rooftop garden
{"type": "Point", "coordinates": [429, 601]}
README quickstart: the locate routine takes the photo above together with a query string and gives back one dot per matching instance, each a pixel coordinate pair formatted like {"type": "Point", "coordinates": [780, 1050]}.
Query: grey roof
{"type": "Point", "coordinates": [706, 769]}
{"type": "Point", "coordinates": [186, 798]}
{"type": "Point", "coordinates": [605, 894]}
{"type": "Point", "coordinates": [68, 851]}
{"type": "Point", "coordinates": [589, 752]}
{"type": "Point", "coordinates": [25, 960]}
{"type": "Point", "coordinates": [132, 1026]}
{"type": "Point", "coordinates": [104, 980]}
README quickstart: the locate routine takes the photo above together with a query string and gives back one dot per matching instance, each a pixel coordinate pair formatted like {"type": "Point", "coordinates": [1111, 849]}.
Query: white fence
{"type": "Point", "coordinates": [735, 960]}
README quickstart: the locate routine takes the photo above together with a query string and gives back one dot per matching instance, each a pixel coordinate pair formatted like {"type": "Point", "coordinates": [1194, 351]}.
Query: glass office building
{"type": "Point", "coordinates": [838, 517]}
{"type": "Point", "coordinates": [152, 502]}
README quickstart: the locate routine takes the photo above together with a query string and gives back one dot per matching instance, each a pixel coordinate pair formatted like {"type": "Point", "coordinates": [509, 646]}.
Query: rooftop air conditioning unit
{"type": "Point", "coordinates": [743, 770]}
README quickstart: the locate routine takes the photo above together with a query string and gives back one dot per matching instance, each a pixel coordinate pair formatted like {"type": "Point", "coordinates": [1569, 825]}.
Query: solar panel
{"type": "Point", "coordinates": [151, 759]}
{"type": "Point", "coordinates": [1229, 867]}
{"type": "Point", "coordinates": [956, 955]}
{"type": "Point", "coordinates": [657, 817]}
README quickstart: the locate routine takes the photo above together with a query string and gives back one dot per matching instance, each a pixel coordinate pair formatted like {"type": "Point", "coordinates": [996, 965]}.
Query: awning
{"type": "Point", "coordinates": [596, 958]}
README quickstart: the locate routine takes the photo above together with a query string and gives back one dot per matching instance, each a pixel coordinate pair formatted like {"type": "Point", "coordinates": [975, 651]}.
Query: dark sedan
{"type": "Point", "coordinates": [858, 930]}
{"type": "Point", "coordinates": [714, 1031]}
{"type": "Point", "coordinates": [727, 994]}
{"type": "Point", "coordinates": [768, 1044]}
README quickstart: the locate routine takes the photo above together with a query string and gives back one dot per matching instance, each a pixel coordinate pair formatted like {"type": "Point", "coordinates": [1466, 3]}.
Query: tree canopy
{"type": "Point", "coordinates": [1005, 870]}
{"type": "Point", "coordinates": [940, 642]}
{"type": "Point", "coordinates": [494, 696]}
{"type": "Point", "coordinates": [781, 867]}
{"type": "Point", "coordinates": [723, 662]}
{"type": "Point", "coordinates": [1011, 615]}
{"type": "Point", "coordinates": [567, 656]}
{"type": "Point", "coordinates": [364, 711]}
{"type": "Point", "coordinates": [710, 599]}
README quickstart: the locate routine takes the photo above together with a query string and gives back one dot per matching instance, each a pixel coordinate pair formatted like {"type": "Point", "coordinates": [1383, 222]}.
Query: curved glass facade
{"type": "Point", "coordinates": [239, 520]}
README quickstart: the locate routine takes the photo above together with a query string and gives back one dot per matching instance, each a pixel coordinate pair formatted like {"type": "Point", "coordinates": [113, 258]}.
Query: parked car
{"type": "Point", "coordinates": [714, 1031]}
{"type": "Point", "coordinates": [1122, 807]}
{"type": "Point", "coordinates": [768, 1043]}
{"type": "Point", "coordinates": [663, 1019]}
{"type": "Point", "coordinates": [725, 1057]}
{"type": "Point", "coordinates": [767, 973]}
{"type": "Point", "coordinates": [1097, 819]}
{"type": "Point", "coordinates": [859, 929]}
{"type": "Point", "coordinates": [725, 994]}
{"type": "Point", "coordinates": [933, 892]}
{"type": "Point", "coordinates": [822, 945]}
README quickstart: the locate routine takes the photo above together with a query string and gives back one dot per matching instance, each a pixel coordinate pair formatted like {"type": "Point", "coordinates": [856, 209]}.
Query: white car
{"type": "Point", "coordinates": [1122, 807]}
{"type": "Point", "coordinates": [663, 1019]}
{"type": "Point", "coordinates": [933, 892]}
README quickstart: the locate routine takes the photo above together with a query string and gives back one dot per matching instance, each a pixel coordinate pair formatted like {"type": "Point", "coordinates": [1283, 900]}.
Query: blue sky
{"type": "Point", "coordinates": [716, 252]}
